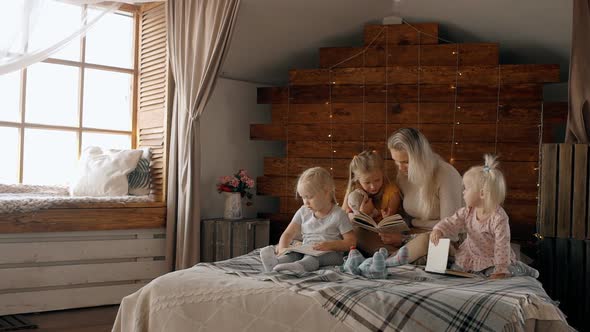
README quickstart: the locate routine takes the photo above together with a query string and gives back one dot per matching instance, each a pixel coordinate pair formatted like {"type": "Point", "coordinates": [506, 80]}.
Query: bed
{"type": "Point", "coordinates": [234, 295]}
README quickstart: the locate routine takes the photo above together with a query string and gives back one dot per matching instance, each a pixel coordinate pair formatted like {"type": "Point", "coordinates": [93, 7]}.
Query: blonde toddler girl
{"type": "Point", "coordinates": [486, 248]}
{"type": "Point", "coordinates": [321, 223]}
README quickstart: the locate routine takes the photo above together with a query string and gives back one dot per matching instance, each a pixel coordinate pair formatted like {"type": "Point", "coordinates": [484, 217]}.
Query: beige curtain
{"type": "Point", "coordinates": [578, 122]}
{"type": "Point", "coordinates": [199, 33]}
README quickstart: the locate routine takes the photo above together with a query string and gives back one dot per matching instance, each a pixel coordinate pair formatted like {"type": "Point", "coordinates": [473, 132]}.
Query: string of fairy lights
{"type": "Point", "coordinates": [457, 107]}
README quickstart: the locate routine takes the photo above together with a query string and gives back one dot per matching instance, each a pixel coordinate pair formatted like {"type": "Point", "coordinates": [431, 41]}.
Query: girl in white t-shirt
{"type": "Point", "coordinates": [322, 224]}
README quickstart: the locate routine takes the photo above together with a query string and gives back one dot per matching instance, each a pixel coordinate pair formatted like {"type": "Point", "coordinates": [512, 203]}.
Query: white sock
{"type": "Point", "coordinates": [293, 267]}
{"type": "Point", "coordinates": [269, 258]}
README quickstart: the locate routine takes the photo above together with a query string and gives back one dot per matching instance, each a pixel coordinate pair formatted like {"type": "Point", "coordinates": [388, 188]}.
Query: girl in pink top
{"type": "Point", "coordinates": [487, 246]}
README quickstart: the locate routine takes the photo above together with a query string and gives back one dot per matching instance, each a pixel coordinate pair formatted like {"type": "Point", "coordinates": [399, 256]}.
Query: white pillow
{"type": "Point", "coordinates": [104, 172]}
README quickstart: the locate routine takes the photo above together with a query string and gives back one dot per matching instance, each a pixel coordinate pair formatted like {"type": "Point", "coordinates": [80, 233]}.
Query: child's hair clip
{"type": "Point", "coordinates": [486, 168]}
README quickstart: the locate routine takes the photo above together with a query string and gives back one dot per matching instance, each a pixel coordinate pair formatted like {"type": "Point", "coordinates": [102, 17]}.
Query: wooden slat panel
{"type": "Point", "coordinates": [507, 151]}
{"type": "Point", "coordinates": [463, 76]}
{"type": "Point", "coordinates": [425, 113]}
{"type": "Point", "coordinates": [580, 184]}
{"type": "Point", "coordinates": [339, 167]}
{"type": "Point", "coordinates": [463, 151]}
{"type": "Point", "coordinates": [538, 73]}
{"type": "Point", "coordinates": [548, 202]}
{"type": "Point", "coordinates": [356, 132]}
{"type": "Point", "coordinates": [469, 54]}
{"type": "Point", "coordinates": [153, 62]}
{"type": "Point", "coordinates": [407, 55]}
{"type": "Point", "coordinates": [401, 34]}
{"type": "Point", "coordinates": [67, 275]}
{"type": "Point", "coordinates": [57, 220]}
{"type": "Point", "coordinates": [564, 196]}
{"type": "Point", "coordinates": [58, 299]}
{"type": "Point", "coordinates": [157, 136]}
{"type": "Point", "coordinates": [152, 119]}
{"type": "Point", "coordinates": [151, 74]}
{"type": "Point", "coordinates": [517, 174]}
{"type": "Point", "coordinates": [151, 131]}
{"type": "Point", "coordinates": [285, 186]}
{"type": "Point", "coordinates": [324, 149]}
{"type": "Point", "coordinates": [319, 94]}
{"type": "Point", "coordinates": [62, 251]}
{"type": "Point", "coordinates": [154, 26]}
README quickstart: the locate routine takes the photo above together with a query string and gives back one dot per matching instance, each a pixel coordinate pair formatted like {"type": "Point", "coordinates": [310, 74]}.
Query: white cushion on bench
{"type": "Point", "coordinates": [103, 172]}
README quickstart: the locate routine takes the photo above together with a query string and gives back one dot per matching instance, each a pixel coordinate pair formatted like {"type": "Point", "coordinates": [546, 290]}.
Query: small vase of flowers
{"type": "Point", "coordinates": [235, 187]}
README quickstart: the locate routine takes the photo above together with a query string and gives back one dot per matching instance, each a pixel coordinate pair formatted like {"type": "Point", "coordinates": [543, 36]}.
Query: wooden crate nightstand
{"type": "Point", "coordinates": [223, 239]}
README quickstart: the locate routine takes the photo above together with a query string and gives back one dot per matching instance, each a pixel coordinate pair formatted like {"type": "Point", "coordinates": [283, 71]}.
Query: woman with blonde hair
{"type": "Point", "coordinates": [430, 187]}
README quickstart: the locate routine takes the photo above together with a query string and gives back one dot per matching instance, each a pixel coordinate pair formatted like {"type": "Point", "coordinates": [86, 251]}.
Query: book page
{"type": "Point", "coordinates": [363, 217]}
{"type": "Point", "coordinates": [306, 250]}
{"type": "Point", "coordinates": [438, 256]}
{"type": "Point", "coordinates": [393, 219]}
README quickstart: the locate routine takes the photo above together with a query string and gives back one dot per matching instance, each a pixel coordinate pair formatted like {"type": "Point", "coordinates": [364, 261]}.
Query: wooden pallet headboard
{"type": "Point", "coordinates": [458, 95]}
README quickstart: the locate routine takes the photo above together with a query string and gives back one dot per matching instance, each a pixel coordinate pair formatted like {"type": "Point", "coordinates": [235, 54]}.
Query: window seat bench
{"type": "Point", "coordinates": [33, 209]}
{"type": "Point", "coordinates": [88, 216]}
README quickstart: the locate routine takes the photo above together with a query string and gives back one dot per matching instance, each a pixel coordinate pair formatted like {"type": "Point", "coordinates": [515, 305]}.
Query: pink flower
{"type": "Point", "coordinates": [239, 182]}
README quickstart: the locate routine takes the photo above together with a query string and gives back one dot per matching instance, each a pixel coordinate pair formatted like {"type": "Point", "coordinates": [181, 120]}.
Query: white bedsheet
{"type": "Point", "coordinates": [230, 296]}
{"type": "Point", "coordinates": [198, 299]}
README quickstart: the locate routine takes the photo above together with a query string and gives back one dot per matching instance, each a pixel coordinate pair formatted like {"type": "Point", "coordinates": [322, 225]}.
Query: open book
{"type": "Point", "coordinates": [438, 257]}
{"type": "Point", "coordinates": [391, 224]}
{"type": "Point", "coordinates": [306, 250]}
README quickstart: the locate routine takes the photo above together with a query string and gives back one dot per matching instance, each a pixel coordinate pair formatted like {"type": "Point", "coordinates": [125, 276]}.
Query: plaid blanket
{"type": "Point", "coordinates": [411, 299]}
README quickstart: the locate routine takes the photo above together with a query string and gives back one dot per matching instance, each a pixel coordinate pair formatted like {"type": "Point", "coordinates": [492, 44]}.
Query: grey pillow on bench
{"type": "Point", "coordinates": [139, 179]}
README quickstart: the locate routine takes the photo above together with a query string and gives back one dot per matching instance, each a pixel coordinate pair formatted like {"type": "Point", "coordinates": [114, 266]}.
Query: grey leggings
{"type": "Point", "coordinates": [311, 263]}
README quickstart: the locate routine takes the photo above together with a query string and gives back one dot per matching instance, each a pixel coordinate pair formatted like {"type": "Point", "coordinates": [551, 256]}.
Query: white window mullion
{"type": "Point", "coordinates": [21, 131]}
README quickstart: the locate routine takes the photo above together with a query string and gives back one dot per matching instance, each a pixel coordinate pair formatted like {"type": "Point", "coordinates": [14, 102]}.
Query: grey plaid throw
{"type": "Point", "coordinates": [411, 299]}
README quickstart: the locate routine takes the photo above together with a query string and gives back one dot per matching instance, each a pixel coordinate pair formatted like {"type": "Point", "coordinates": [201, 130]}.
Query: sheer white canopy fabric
{"type": "Point", "coordinates": [198, 36]}
{"type": "Point", "coordinates": [30, 33]}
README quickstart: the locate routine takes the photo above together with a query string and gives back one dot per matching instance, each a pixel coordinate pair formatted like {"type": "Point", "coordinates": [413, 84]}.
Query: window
{"type": "Point", "coordinates": [82, 96]}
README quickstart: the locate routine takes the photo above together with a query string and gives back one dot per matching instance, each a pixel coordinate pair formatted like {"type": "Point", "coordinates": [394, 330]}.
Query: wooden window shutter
{"type": "Point", "coordinates": [153, 93]}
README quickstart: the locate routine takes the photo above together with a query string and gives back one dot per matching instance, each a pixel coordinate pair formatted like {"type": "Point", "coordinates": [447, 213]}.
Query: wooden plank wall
{"type": "Point", "coordinates": [458, 95]}
{"type": "Point", "coordinates": [153, 93]}
{"type": "Point", "coordinates": [564, 225]}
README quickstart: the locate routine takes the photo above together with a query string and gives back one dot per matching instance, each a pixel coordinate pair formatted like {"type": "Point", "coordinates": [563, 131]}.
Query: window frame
{"type": "Point", "coordinates": [82, 65]}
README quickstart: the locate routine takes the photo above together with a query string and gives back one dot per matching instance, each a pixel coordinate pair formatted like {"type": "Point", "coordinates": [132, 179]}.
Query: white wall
{"type": "Point", "coordinates": [273, 36]}
{"type": "Point", "coordinates": [226, 145]}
